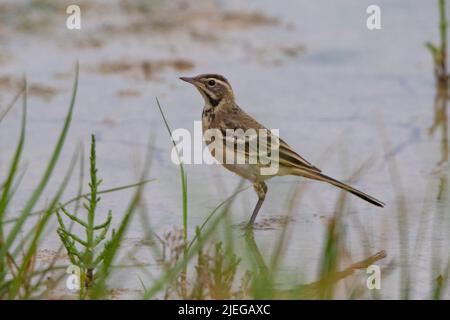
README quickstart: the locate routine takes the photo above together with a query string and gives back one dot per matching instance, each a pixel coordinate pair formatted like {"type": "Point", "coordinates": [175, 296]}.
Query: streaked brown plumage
{"type": "Point", "coordinates": [221, 112]}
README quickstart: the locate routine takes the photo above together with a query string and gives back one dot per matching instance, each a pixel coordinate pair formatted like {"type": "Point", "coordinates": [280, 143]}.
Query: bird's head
{"type": "Point", "coordinates": [214, 88]}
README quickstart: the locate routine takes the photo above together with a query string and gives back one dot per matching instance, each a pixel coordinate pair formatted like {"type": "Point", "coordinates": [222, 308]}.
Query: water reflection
{"type": "Point", "coordinates": [313, 290]}
{"type": "Point", "coordinates": [440, 126]}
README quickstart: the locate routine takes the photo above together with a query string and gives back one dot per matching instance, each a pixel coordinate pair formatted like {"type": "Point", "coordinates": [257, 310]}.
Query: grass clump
{"type": "Point", "coordinates": [21, 277]}
{"type": "Point", "coordinates": [82, 252]}
{"type": "Point", "coordinates": [17, 252]}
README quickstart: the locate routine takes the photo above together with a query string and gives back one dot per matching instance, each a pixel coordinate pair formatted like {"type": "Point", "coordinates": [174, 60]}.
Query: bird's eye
{"type": "Point", "coordinates": [211, 83]}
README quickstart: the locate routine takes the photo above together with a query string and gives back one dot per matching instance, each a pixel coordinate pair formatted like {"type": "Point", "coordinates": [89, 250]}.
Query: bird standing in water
{"type": "Point", "coordinates": [222, 113]}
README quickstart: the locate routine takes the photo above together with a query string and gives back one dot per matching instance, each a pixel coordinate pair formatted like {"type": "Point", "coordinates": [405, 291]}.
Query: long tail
{"type": "Point", "coordinates": [321, 177]}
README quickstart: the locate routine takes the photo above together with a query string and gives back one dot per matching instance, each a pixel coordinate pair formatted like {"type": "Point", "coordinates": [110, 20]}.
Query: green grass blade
{"type": "Point", "coordinates": [11, 104]}
{"type": "Point", "coordinates": [45, 178]}
{"type": "Point", "coordinates": [84, 195]}
{"type": "Point", "coordinates": [171, 273]}
{"type": "Point", "coordinates": [5, 196]}
{"type": "Point", "coordinates": [182, 174]}
{"type": "Point", "coordinates": [37, 233]}
{"type": "Point", "coordinates": [111, 249]}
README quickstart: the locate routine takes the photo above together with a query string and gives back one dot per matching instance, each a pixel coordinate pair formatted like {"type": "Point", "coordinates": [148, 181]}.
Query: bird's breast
{"type": "Point", "coordinates": [207, 118]}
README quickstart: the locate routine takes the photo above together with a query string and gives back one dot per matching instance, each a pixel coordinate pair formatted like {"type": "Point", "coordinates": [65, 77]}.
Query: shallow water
{"type": "Point", "coordinates": [330, 85]}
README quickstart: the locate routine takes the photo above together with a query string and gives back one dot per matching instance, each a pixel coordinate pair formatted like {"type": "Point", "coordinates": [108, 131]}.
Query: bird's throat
{"type": "Point", "coordinates": [210, 100]}
{"type": "Point", "coordinates": [213, 102]}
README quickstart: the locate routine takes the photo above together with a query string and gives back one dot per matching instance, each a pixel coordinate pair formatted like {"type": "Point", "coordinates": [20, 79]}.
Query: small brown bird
{"type": "Point", "coordinates": [222, 113]}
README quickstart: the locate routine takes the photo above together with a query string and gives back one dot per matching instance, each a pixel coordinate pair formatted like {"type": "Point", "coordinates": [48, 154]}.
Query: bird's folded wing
{"type": "Point", "coordinates": [287, 156]}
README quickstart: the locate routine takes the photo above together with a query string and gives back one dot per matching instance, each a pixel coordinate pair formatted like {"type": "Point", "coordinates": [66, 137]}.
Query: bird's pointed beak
{"type": "Point", "coordinates": [188, 79]}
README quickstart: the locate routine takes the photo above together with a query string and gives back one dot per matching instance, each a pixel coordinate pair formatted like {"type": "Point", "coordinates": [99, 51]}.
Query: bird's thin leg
{"type": "Point", "coordinates": [255, 212]}
{"type": "Point", "coordinates": [261, 190]}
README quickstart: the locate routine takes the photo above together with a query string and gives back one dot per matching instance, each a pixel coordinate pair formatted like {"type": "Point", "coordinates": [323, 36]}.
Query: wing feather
{"type": "Point", "coordinates": [239, 119]}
